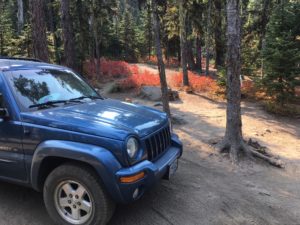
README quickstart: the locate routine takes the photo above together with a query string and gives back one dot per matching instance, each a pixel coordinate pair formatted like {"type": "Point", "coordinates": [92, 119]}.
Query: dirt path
{"type": "Point", "coordinates": [207, 189]}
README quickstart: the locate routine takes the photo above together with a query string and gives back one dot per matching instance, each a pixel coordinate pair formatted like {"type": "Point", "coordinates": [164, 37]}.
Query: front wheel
{"type": "Point", "coordinates": [74, 195]}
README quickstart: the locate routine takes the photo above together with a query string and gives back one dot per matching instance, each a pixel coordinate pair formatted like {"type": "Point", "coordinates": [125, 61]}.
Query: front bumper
{"type": "Point", "coordinates": [154, 171]}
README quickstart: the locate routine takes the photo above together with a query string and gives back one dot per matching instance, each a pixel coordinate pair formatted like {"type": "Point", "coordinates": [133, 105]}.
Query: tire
{"type": "Point", "coordinates": [74, 194]}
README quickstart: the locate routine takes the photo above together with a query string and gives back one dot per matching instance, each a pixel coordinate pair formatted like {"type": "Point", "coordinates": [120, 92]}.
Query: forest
{"type": "Point", "coordinates": [213, 43]}
{"type": "Point", "coordinates": [72, 31]}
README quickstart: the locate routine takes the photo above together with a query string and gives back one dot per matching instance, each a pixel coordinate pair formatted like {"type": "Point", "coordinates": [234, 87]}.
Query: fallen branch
{"type": "Point", "coordinates": [269, 159]}
{"type": "Point", "coordinates": [261, 152]}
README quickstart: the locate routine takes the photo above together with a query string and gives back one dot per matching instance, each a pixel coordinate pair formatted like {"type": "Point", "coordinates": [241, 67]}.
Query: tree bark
{"type": "Point", "coordinates": [233, 139]}
{"type": "Point", "coordinates": [264, 21]}
{"type": "Point", "coordinates": [68, 35]}
{"type": "Point", "coordinates": [190, 56]}
{"type": "Point", "coordinates": [207, 38]}
{"type": "Point", "coordinates": [160, 62]}
{"type": "Point", "coordinates": [96, 41]}
{"type": "Point", "coordinates": [189, 44]}
{"type": "Point", "coordinates": [20, 16]}
{"type": "Point", "coordinates": [39, 36]}
{"type": "Point", "coordinates": [199, 54]}
{"type": "Point", "coordinates": [183, 42]}
{"type": "Point", "coordinates": [219, 61]}
{"type": "Point", "coordinates": [82, 43]}
{"type": "Point", "coordinates": [53, 28]}
{"type": "Point", "coordinates": [149, 30]}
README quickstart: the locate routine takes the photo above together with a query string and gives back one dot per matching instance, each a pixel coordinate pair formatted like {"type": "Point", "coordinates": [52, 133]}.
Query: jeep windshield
{"type": "Point", "coordinates": [43, 88]}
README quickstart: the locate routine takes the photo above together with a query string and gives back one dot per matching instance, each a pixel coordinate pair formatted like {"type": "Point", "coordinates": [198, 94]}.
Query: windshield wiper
{"type": "Point", "coordinates": [52, 103]}
{"type": "Point", "coordinates": [85, 96]}
{"type": "Point", "coordinates": [47, 104]}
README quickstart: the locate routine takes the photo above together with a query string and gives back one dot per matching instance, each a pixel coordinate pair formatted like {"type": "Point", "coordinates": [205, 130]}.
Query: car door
{"type": "Point", "coordinates": [12, 165]}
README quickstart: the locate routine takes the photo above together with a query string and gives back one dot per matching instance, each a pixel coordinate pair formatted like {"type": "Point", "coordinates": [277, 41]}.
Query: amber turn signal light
{"type": "Point", "coordinates": [133, 178]}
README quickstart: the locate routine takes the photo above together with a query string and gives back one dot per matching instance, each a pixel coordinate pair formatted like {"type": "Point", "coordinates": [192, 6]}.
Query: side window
{"type": "Point", "coordinates": [1, 101]}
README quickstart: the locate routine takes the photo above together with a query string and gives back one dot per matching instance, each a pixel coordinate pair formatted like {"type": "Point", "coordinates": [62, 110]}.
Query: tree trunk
{"type": "Point", "coordinates": [20, 16]}
{"type": "Point", "coordinates": [149, 26]}
{"type": "Point", "coordinates": [190, 54]}
{"type": "Point", "coordinates": [199, 54]}
{"type": "Point", "coordinates": [233, 136]}
{"type": "Point", "coordinates": [53, 28]}
{"type": "Point", "coordinates": [39, 36]}
{"type": "Point", "coordinates": [160, 62]}
{"type": "Point", "coordinates": [183, 42]}
{"type": "Point", "coordinates": [96, 41]}
{"type": "Point", "coordinates": [207, 37]}
{"type": "Point", "coordinates": [264, 21]}
{"type": "Point", "coordinates": [219, 62]}
{"type": "Point", "coordinates": [82, 44]}
{"type": "Point", "coordinates": [68, 35]}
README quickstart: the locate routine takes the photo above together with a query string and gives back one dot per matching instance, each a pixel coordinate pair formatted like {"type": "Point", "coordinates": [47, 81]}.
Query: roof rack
{"type": "Point", "coordinates": [20, 58]}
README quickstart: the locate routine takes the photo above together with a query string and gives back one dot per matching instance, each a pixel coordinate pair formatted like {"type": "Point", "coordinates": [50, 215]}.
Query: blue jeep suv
{"type": "Point", "coordinates": [84, 152]}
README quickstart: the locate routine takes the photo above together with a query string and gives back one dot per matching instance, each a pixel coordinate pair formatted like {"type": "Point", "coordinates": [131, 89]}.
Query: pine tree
{"type": "Point", "coordinates": [68, 35]}
{"type": "Point", "coordinates": [282, 52]}
{"type": "Point", "coordinates": [128, 36]}
{"type": "Point", "coordinates": [5, 27]}
{"type": "Point", "coordinates": [183, 42]}
{"type": "Point", "coordinates": [39, 36]}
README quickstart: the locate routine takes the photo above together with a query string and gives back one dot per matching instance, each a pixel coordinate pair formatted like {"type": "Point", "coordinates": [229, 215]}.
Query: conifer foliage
{"type": "Point", "coordinates": [282, 52]}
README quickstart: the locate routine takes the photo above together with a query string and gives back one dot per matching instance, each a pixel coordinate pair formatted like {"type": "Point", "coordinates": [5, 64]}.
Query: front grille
{"type": "Point", "coordinates": [158, 143]}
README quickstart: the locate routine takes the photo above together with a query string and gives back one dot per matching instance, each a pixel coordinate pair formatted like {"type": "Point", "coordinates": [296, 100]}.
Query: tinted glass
{"type": "Point", "coordinates": [38, 86]}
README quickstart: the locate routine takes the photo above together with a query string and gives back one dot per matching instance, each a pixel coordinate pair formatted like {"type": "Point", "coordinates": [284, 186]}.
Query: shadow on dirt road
{"type": "Point", "coordinates": [200, 193]}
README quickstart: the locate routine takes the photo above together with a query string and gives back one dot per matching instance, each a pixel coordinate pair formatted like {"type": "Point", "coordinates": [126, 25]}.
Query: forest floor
{"type": "Point", "coordinates": [207, 189]}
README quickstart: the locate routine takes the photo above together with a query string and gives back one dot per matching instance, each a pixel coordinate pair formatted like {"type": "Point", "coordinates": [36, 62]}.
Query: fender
{"type": "Point", "coordinates": [102, 160]}
{"type": "Point", "coordinates": [177, 143]}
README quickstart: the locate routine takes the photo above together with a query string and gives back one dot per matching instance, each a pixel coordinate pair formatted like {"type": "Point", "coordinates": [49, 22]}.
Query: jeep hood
{"type": "Point", "coordinates": [106, 118]}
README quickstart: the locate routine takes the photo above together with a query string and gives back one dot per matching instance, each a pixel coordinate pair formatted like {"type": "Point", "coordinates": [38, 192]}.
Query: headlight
{"type": "Point", "coordinates": [132, 147]}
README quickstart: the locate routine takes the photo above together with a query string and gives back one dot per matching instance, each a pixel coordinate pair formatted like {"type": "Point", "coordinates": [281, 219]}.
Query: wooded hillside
{"type": "Point", "coordinates": [192, 34]}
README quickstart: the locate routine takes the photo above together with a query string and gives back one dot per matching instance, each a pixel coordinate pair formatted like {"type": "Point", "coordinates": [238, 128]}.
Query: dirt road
{"type": "Point", "coordinates": [207, 189]}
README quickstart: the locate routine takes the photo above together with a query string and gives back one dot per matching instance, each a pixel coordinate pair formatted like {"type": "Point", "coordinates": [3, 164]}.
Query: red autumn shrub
{"type": "Point", "coordinates": [131, 77]}
{"type": "Point", "coordinates": [108, 68]}
{"type": "Point", "coordinates": [138, 79]}
{"type": "Point", "coordinates": [171, 62]}
{"type": "Point", "coordinates": [197, 82]}
{"type": "Point", "coordinates": [146, 78]}
{"type": "Point", "coordinates": [126, 84]}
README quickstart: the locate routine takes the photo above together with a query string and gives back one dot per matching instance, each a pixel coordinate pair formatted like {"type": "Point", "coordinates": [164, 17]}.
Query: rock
{"type": "Point", "coordinates": [111, 88]}
{"type": "Point", "coordinates": [151, 93]}
{"type": "Point", "coordinates": [268, 131]}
